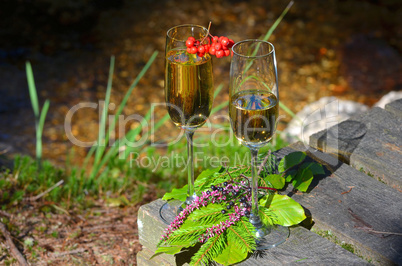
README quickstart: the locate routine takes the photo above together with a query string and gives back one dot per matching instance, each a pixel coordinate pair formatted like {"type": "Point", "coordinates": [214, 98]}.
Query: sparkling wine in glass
{"type": "Point", "coordinates": [188, 94]}
{"type": "Point", "coordinates": [253, 110]}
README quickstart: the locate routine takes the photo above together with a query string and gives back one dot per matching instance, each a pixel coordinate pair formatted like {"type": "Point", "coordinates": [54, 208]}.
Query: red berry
{"type": "Point", "coordinates": [189, 50]}
{"type": "Point", "coordinates": [231, 43]}
{"type": "Point", "coordinates": [215, 39]}
{"type": "Point", "coordinates": [218, 46]}
{"type": "Point", "coordinates": [212, 50]}
{"type": "Point", "coordinates": [193, 50]}
{"type": "Point", "coordinates": [191, 38]}
{"type": "Point", "coordinates": [189, 43]}
{"type": "Point", "coordinates": [200, 54]}
{"type": "Point", "coordinates": [227, 52]}
{"type": "Point", "coordinates": [219, 54]}
{"type": "Point", "coordinates": [201, 49]}
{"type": "Point", "coordinates": [220, 38]}
{"type": "Point", "coordinates": [225, 41]}
{"type": "Point", "coordinates": [196, 43]}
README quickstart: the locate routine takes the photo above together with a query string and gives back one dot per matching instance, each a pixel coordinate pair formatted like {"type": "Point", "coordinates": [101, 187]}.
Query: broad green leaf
{"type": "Point", "coordinates": [277, 181]}
{"type": "Point", "coordinates": [291, 160]}
{"type": "Point", "coordinates": [168, 250]}
{"type": "Point", "coordinates": [303, 179]}
{"type": "Point", "coordinates": [290, 175]}
{"type": "Point", "coordinates": [201, 183]}
{"type": "Point", "coordinates": [286, 210]}
{"type": "Point", "coordinates": [315, 168]}
{"type": "Point", "coordinates": [207, 173]}
{"type": "Point", "coordinates": [266, 216]}
{"type": "Point", "coordinates": [176, 193]}
{"type": "Point", "coordinates": [233, 252]}
{"type": "Point", "coordinates": [209, 250]}
{"type": "Point", "coordinates": [204, 180]}
{"type": "Point", "coordinates": [305, 175]}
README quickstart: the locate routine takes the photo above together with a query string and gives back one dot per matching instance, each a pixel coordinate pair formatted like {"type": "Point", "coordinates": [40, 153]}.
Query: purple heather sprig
{"type": "Point", "coordinates": [238, 196]}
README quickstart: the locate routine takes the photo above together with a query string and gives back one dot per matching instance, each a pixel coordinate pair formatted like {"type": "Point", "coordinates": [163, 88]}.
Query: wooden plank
{"type": "Point", "coordinates": [355, 208]}
{"type": "Point", "coordinates": [370, 142]}
{"type": "Point", "coordinates": [303, 246]}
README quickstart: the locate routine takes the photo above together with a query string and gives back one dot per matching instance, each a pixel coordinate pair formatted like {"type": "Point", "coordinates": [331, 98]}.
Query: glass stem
{"type": "Point", "coordinates": [190, 167]}
{"type": "Point", "coordinates": [254, 216]}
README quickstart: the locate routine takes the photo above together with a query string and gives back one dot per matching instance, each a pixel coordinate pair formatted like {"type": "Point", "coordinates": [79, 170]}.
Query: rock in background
{"type": "Point", "coordinates": [389, 97]}
{"type": "Point", "coordinates": [326, 112]}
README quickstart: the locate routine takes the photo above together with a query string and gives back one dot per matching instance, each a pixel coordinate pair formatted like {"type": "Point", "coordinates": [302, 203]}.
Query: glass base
{"type": "Point", "coordinates": [270, 237]}
{"type": "Point", "coordinates": [170, 210]}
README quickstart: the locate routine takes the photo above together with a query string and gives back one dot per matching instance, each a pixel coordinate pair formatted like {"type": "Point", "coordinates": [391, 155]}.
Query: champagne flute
{"type": "Point", "coordinates": [188, 95]}
{"type": "Point", "coordinates": [253, 109]}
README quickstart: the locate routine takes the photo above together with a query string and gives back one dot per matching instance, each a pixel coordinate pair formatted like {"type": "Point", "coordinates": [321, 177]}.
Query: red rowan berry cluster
{"type": "Point", "coordinates": [218, 46]}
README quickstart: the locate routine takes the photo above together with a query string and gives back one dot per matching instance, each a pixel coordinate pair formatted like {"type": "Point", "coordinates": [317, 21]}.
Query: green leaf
{"type": "Point", "coordinates": [303, 180]}
{"type": "Point", "coordinates": [204, 179]}
{"type": "Point", "coordinates": [286, 210]}
{"type": "Point", "coordinates": [168, 250]}
{"type": "Point", "coordinates": [267, 217]}
{"type": "Point", "coordinates": [231, 254]}
{"type": "Point", "coordinates": [315, 168]}
{"type": "Point", "coordinates": [305, 175]}
{"type": "Point", "coordinates": [290, 175]}
{"type": "Point", "coordinates": [176, 193]}
{"type": "Point", "coordinates": [240, 242]}
{"type": "Point", "coordinates": [291, 160]}
{"type": "Point", "coordinates": [276, 180]}
{"type": "Point", "coordinates": [202, 182]}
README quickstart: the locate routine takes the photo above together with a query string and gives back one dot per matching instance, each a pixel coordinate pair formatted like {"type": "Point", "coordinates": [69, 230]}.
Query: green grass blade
{"type": "Point", "coordinates": [39, 130]}
{"type": "Point", "coordinates": [102, 127]}
{"type": "Point", "coordinates": [219, 107]}
{"type": "Point", "coordinates": [269, 33]}
{"type": "Point", "coordinates": [218, 90]}
{"type": "Point", "coordinates": [134, 84]}
{"type": "Point", "coordinates": [88, 157]}
{"type": "Point", "coordinates": [113, 151]}
{"type": "Point", "coordinates": [278, 20]}
{"type": "Point", "coordinates": [32, 90]}
{"type": "Point", "coordinates": [161, 122]}
{"type": "Point", "coordinates": [127, 95]}
{"type": "Point", "coordinates": [98, 163]}
{"type": "Point", "coordinates": [287, 110]}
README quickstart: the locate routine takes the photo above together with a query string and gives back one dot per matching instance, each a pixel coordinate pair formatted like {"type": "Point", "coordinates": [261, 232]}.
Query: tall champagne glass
{"type": "Point", "coordinates": [188, 89]}
{"type": "Point", "coordinates": [253, 109]}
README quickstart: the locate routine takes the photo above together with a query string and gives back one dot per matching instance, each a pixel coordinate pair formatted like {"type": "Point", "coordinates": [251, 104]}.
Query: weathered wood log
{"type": "Point", "coordinates": [371, 142]}
{"type": "Point", "coordinates": [357, 209]}
{"type": "Point", "coordinates": [302, 246]}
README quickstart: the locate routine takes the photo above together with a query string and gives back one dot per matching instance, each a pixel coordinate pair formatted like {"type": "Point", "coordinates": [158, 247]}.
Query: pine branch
{"type": "Point", "coordinates": [209, 215]}
{"type": "Point", "coordinates": [209, 250]}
